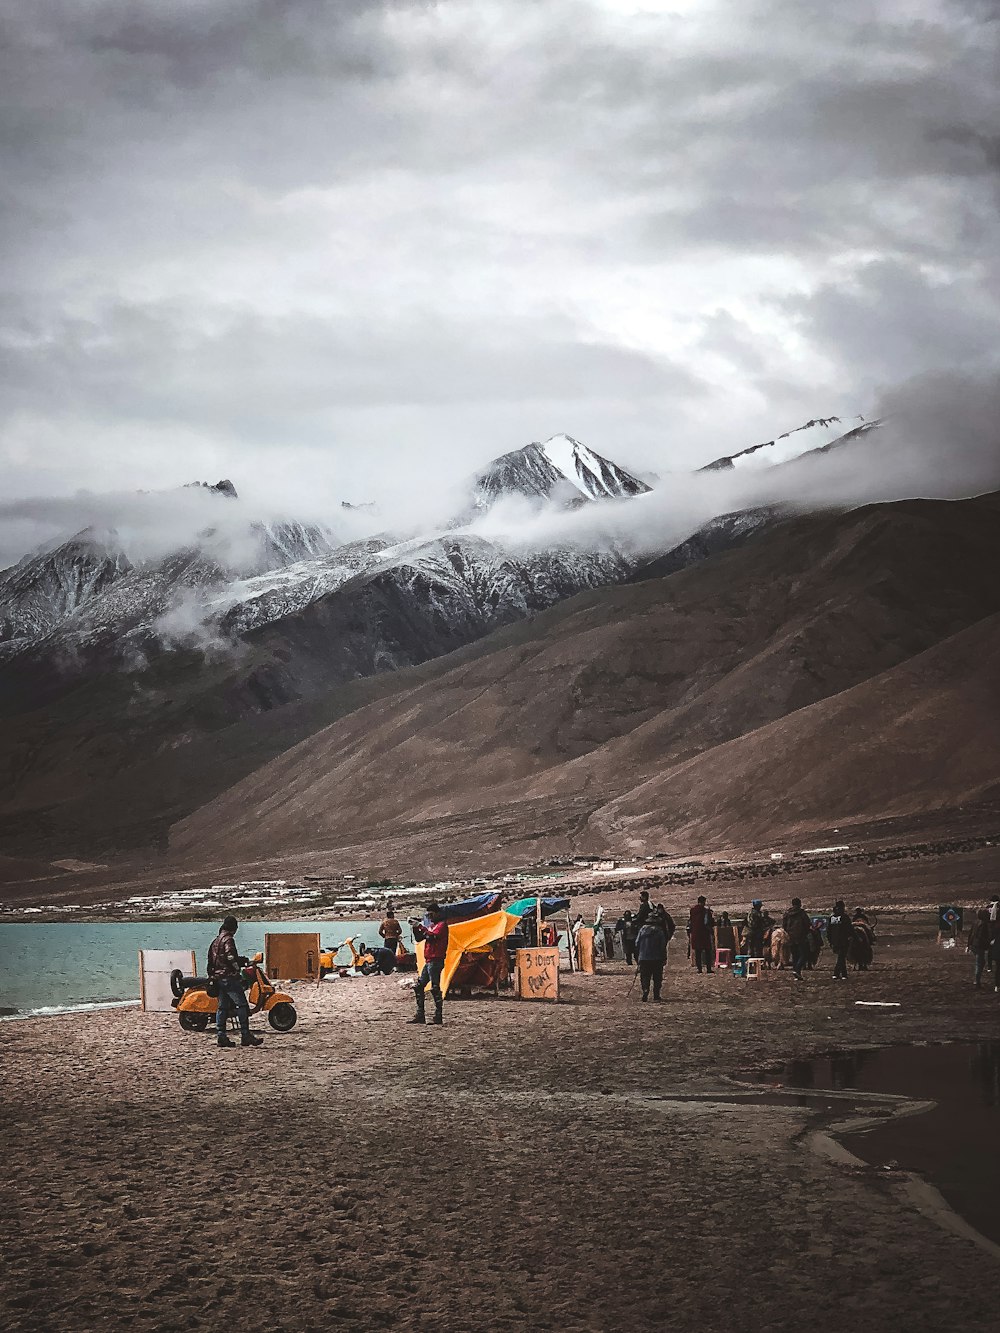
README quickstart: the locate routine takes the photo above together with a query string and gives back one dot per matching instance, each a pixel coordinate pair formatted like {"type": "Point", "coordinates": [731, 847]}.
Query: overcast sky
{"type": "Point", "coordinates": [325, 247]}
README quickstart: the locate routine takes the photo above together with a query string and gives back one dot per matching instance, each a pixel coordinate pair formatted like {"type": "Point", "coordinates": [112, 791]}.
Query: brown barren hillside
{"type": "Point", "coordinates": [559, 736]}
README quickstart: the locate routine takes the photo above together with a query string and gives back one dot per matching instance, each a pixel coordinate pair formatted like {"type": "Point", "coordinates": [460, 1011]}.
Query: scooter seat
{"type": "Point", "coordinates": [179, 983]}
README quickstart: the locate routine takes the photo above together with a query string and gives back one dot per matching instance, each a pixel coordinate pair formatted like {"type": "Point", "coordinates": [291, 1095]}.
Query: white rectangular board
{"type": "Point", "coordinates": [155, 966]}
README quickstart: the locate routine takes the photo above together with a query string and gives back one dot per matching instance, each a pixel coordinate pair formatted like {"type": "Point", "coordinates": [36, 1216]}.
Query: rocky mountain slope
{"type": "Point", "coordinates": [544, 740]}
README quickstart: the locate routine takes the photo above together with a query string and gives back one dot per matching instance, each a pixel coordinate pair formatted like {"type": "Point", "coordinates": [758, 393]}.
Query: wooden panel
{"type": "Point", "coordinates": [538, 974]}
{"type": "Point", "coordinates": [292, 956]}
{"type": "Point", "coordinates": [155, 966]}
{"type": "Point", "coordinates": [585, 949]}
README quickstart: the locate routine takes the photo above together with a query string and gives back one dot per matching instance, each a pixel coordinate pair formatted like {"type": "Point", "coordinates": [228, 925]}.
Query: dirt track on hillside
{"type": "Point", "coordinates": [505, 1171]}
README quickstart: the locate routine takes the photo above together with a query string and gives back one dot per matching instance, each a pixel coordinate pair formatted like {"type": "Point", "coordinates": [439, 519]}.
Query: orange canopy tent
{"type": "Point", "coordinates": [471, 937]}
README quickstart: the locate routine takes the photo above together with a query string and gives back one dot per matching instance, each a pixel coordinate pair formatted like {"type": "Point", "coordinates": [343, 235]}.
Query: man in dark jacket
{"type": "Point", "coordinates": [839, 932]}
{"type": "Point", "coordinates": [645, 908]}
{"type": "Point", "coordinates": [797, 925]}
{"type": "Point", "coordinates": [224, 965]}
{"type": "Point", "coordinates": [626, 928]}
{"type": "Point", "coordinates": [979, 944]}
{"type": "Point", "coordinates": [753, 931]}
{"type": "Point", "coordinates": [700, 926]}
{"type": "Point", "coordinates": [651, 948]}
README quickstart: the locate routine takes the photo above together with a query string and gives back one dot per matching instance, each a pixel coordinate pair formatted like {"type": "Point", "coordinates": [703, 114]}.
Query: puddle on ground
{"type": "Point", "coordinates": [954, 1145]}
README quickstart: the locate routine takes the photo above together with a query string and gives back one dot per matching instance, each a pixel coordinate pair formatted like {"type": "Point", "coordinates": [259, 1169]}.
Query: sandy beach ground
{"type": "Point", "coordinates": [513, 1169]}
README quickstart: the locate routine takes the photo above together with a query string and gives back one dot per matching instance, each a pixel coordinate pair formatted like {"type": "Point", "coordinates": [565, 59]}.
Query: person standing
{"type": "Point", "coordinates": [753, 931]}
{"type": "Point", "coordinates": [433, 930]}
{"type": "Point", "coordinates": [702, 945]}
{"type": "Point", "coordinates": [224, 965]}
{"type": "Point", "coordinates": [626, 928]}
{"type": "Point", "coordinates": [839, 932]}
{"type": "Point", "coordinates": [651, 948]}
{"type": "Point", "coordinates": [796, 925]}
{"type": "Point", "coordinates": [667, 920]}
{"type": "Point", "coordinates": [644, 910]}
{"type": "Point", "coordinates": [391, 931]}
{"type": "Point", "coordinates": [979, 945]}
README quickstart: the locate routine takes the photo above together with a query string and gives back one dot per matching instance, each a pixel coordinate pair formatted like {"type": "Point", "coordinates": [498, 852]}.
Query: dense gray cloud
{"type": "Point", "coordinates": [333, 250]}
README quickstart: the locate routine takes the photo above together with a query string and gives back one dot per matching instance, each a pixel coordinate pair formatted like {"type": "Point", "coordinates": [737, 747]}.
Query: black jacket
{"type": "Point", "coordinates": [839, 931]}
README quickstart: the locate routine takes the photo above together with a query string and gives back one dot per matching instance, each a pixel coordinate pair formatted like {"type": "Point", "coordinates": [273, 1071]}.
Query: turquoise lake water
{"type": "Point", "coordinates": [45, 968]}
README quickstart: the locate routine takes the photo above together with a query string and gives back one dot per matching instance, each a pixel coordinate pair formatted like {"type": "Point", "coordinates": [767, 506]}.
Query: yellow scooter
{"type": "Point", "coordinates": [196, 1006]}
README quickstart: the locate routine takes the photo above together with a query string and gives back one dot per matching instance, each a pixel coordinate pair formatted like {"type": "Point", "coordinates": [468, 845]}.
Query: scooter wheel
{"type": "Point", "coordinates": [282, 1017]}
{"type": "Point", "coordinates": [177, 983]}
{"type": "Point", "coordinates": [193, 1022]}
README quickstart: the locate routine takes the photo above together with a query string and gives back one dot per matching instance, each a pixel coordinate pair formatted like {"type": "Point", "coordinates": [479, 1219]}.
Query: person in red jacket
{"type": "Point", "coordinates": [433, 930]}
{"type": "Point", "coordinates": [700, 927]}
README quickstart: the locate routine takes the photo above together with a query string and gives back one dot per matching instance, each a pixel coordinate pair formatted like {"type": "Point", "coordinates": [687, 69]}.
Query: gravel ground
{"type": "Point", "coordinates": [511, 1169]}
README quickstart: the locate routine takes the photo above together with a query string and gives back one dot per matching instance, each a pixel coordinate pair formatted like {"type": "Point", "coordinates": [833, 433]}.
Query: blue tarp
{"type": "Point", "coordinates": [469, 908]}
{"type": "Point", "coordinates": [550, 906]}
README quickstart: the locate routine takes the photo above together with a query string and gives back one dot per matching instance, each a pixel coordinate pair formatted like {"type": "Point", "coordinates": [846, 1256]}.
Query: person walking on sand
{"type": "Point", "coordinates": [840, 932]}
{"type": "Point", "coordinates": [391, 931]}
{"type": "Point", "coordinates": [701, 924]}
{"type": "Point", "coordinates": [433, 930]}
{"type": "Point", "coordinates": [224, 965]}
{"type": "Point", "coordinates": [796, 925]}
{"type": "Point", "coordinates": [651, 948]}
{"type": "Point", "coordinates": [979, 945]}
{"type": "Point", "coordinates": [626, 928]}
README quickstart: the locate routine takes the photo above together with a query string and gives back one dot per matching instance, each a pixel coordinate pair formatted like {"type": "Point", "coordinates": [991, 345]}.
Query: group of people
{"type": "Point", "coordinates": [707, 934]}
{"type": "Point", "coordinates": [984, 943]}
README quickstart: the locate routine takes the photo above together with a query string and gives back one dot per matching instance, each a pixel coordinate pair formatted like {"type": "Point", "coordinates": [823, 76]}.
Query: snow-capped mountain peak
{"type": "Point", "coordinates": [598, 478]}
{"type": "Point", "coordinates": [560, 469]}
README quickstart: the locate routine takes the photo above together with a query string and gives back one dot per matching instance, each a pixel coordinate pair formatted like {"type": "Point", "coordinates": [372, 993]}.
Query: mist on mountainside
{"type": "Point", "coordinates": [938, 437]}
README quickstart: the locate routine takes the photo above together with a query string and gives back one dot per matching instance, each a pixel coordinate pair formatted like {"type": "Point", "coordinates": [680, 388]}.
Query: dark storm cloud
{"type": "Point", "coordinates": [400, 237]}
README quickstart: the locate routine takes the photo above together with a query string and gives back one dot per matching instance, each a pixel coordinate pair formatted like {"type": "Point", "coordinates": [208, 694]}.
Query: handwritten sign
{"type": "Point", "coordinates": [538, 974]}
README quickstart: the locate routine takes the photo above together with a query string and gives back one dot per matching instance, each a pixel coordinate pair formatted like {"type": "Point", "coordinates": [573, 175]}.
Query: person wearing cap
{"type": "Point", "coordinates": [224, 965]}
{"type": "Point", "coordinates": [753, 932]}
